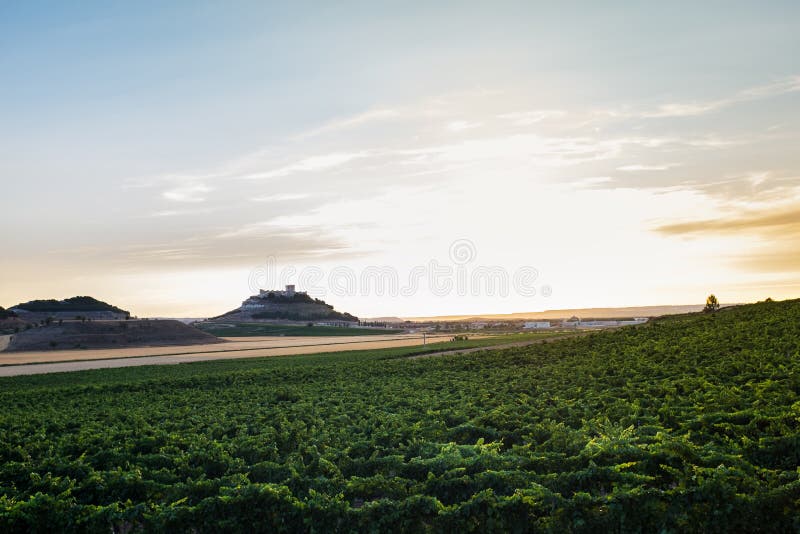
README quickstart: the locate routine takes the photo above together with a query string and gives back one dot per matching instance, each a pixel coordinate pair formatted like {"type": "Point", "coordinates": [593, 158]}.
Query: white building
{"type": "Point", "coordinates": [288, 292]}
{"type": "Point", "coordinates": [537, 324]}
{"type": "Point", "coordinates": [598, 323]}
{"type": "Point", "coordinates": [256, 302]}
{"type": "Point", "coordinates": [635, 320]}
{"type": "Point", "coordinates": [574, 322]}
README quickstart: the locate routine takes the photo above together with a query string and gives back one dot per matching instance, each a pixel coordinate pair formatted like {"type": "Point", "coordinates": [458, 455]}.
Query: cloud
{"type": "Point", "coordinates": [460, 126]}
{"type": "Point", "coordinates": [535, 149]}
{"type": "Point", "coordinates": [526, 118]}
{"type": "Point", "coordinates": [281, 197]}
{"type": "Point", "coordinates": [187, 193]}
{"type": "Point", "coordinates": [309, 164]}
{"type": "Point", "coordinates": [787, 85]}
{"type": "Point", "coordinates": [755, 187]}
{"type": "Point", "coordinates": [774, 222]}
{"type": "Point", "coordinates": [359, 119]}
{"type": "Point", "coordinates": [288, 184]}
{"type": "Point", "coordinates": [638, 167]}
{"type": "Point", "coordinates": [591, 182]}
{"type": "Point", "coordinates": [176, 213]}
{"type": "Point", "coordinates": [548, 151]}
{"type": "Point", "coordinates": [775, 235]}
{"type": "Point", "coordinates": [245, 245]}
{"type": "Point", "coordinates": [776, 260]}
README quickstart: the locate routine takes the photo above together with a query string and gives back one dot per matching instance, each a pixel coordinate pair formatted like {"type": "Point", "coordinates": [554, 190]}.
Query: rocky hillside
{"type": "Point", "coordinates": [9, 322]}
{"type": "Point", "coordinates": [108, 334]}
{"type": "Point", "coordinates": [296, 307]}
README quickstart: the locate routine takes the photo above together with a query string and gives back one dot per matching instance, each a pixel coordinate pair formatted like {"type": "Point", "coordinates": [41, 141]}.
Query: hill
{"type": "Point", "coordinates": [9, 322]}
{"type": "Point", "coordinates": [74, 304]}
{"type": "Point", "coordinates": [82, 306]}
{"type": "Point", "coordinates": [686, 424]}
{"type": "Point", "coordinates": [288, 305]}
{"type": "Point", "coordinates": [108, 334]}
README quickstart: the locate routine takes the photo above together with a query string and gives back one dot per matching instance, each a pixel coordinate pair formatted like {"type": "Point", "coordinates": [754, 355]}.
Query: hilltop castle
{"type": "Point", "coordinates": [288, 292]}
{"type": "Point", "coordinates": [287, 305]}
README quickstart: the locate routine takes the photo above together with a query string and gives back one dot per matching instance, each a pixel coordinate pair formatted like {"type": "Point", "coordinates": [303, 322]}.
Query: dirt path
{"type": "Point", "coordinates": [231, 345]}
{"type": "Point", "coordinates": [322, 345]}
{"type": "Point", "coordinates": [239, 353]}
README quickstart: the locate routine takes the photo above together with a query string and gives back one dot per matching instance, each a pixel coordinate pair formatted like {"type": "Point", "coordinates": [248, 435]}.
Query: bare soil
{"type": "Point", "coordinates": [26, 363]}
{"type": "Point", "coordinates": [108, 334]}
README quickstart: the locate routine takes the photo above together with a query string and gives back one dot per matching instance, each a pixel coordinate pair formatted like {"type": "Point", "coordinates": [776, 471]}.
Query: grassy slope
{"type": "Point", "coordinates": [691, 423]}
{"type": "Point", "coordinates": [266, 329]}
{"type": "Point", "coordinates": [109, 334]}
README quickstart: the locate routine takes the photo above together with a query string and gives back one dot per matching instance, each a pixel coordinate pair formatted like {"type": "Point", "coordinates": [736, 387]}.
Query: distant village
{"type": "Point", "coordinates": [284, 305]}
{"type": "Point", "coordinates": [573, 323]}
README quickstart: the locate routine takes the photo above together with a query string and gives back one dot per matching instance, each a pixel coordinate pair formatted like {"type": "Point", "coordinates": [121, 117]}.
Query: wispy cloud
{"type": "Point", "coordinates": [360, 119]}
{"type": "Point", "coordinates": [784, 86]}
{"type": "Point", "coordinates": [592, 181]}
{"type": "Point", "coordinates": [751, 190]}
{"type": "Point", "coordinates": [527, 118]}
{"type": "Point", "coordinates": [187, 193]}
{"type": "Point", "coordinates": [539, 150]}
{"type": "Point", "coordinates": [774, 234]}
{"type": "Point", "coordinates": [640, 167]}
{"type": "Point", "coordinates": [441, 143]}
{"type": "Point", "coordinates": [309, 164]}
{"type": "Point", "coordinates": [176, 213]}
{"type": "Point", "coordinates": [785, 221]}
{"type": "Point", "coordinates": [460, 126]}
{"type": "Point", "coordinates": [280, 197]}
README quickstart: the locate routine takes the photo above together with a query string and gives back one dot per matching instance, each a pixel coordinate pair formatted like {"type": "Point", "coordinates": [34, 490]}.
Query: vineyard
{"type": "Point", "coordinates": [687, 424]}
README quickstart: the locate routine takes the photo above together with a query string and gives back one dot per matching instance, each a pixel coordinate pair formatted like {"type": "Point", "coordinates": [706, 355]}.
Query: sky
{"type": "Point", "coordinates": [400, 158]}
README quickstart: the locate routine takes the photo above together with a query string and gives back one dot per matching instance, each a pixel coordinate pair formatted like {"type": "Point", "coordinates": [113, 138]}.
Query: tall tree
{"type": "Point", "coordinates": [712, 304]}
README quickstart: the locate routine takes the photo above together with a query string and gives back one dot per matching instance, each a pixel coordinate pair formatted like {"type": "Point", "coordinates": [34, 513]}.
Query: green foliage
{"type": "Point", "coordinates": [84, 304]}
{"type": "Point", "coordinates": [687, 424]}
{"type": "Point", "coordinates": [302, 298]}
{"type": "Point", "coordinates": [288, 315]}
{"type": "Point", "coordinates": [269, 329]}
{"type": "Point", "coordinates": [712, 304]}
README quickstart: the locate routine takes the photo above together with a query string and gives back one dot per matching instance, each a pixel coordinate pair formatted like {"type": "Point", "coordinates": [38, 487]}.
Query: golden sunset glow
{"type": "Point", "coordinates": [163, 171]}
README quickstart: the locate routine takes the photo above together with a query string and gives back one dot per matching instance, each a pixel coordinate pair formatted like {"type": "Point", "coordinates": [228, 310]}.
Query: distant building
{"type": "Point", "coordinates": [635, 320]}
{"type": "Point", "coordinates": [341, 324]}
{"type": "Point", "coordinates": [595, 324]}
{"type": "Point", "coordinates": [574, 322]}
{"type": "Point", "coordinates": [288, 292]}
{"type": "Point", "coordinates": [256, 302]}
{"type": "Point", "coordinates": [537, 324]}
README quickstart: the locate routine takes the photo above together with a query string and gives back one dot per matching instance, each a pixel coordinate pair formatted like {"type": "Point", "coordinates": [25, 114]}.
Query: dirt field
{"type": "Point", "coordinates": [26, 363]}
{"type": "Point", "coordinates": [101, 335]}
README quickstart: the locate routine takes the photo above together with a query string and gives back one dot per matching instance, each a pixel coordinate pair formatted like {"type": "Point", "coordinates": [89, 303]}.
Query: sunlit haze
{"type": "Point", "coordinates": [170, 159]}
